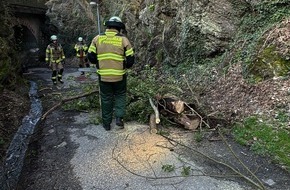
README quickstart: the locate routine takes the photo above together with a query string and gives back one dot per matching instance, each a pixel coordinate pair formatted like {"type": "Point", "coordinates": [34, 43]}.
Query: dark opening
{"type": "Point", "coordinates": [24, 38]}
{"type": "Point", "coordinates": [27, 47]}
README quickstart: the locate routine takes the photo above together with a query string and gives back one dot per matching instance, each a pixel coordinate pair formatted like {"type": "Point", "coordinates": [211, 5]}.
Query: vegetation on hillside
{"type": "Point", "coordinates": [10, 66]}
{"type": "Point", "coordinates": [261, 47]}
{"type": "Point", "coordinates": [13, 94]}
{"type": "Point", "coordinates": [73, 18]}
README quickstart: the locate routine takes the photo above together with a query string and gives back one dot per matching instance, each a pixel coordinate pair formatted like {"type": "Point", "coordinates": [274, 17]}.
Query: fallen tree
{"type": "Point", "coordinates": [179, 112]}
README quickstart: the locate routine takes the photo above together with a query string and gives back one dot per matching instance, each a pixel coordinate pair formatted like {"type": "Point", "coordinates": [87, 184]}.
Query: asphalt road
{"type": "Point", "coordinates": [68, 152]}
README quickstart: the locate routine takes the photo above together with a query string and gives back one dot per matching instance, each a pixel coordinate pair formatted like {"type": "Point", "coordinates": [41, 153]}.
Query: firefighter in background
{"type": "Point", "coordinates": [55, 59]}
{"type": "Point", "coordinates": [113, 54]}
{"type": "Point", "coordinates": [81, 51]}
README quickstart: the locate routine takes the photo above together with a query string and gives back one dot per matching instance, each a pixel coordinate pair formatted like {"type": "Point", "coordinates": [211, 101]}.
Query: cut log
{"type": "Point", "coordinates": [188, 123]}
{"type": "Point", "coordinates": [152, 124]}
{"type": "Point", "coordinates": [178, 111]}
{"type": "Point", "coordinates": [178, 106]}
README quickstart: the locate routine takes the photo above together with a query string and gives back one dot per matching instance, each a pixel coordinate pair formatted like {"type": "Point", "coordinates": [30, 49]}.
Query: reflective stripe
{"type": "Point", "coordinates": [129, 52]}
{"type": "Point", "coordinates": [57, 57]}
{"type": "Point", "coordinates": [92, 49]}
{"type": "Point", "coordinates": [114, 72]}
{"type": "Point", "coordinates": [56, 61]}
{"type": "Point", "coordinates": [110, 56]}
{"type": "Point", "coordinates": [110, 33]}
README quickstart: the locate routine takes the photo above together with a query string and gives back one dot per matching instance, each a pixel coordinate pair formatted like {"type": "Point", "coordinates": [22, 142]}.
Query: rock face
{"type": "Point", "coordinates": [175, 31]}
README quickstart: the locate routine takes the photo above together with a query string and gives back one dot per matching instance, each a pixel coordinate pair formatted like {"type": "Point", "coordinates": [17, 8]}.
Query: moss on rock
{"type": "Point", "coordinates": [269, 63]}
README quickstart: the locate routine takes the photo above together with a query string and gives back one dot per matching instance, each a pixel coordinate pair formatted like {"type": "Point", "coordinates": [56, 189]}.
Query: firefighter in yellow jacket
{"type": "Point", "coordinates": [81, 51]}
{"type": "Point", "coordinates": [55, 59]}
{"type": "Point", "coordinates": [113, 54]}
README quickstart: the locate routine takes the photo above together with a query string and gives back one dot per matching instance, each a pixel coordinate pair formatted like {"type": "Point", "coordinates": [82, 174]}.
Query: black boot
{"type": "Point", "coordinates": [53, 77]}
{"type": "Point", "coordinates": [107, 127]}
{"type": "Point", "coordinates": [59, 76]}
{"type": "Point", "coordinates": [60, 80]}
{"type": "Point", "coordinates": [120, 122]}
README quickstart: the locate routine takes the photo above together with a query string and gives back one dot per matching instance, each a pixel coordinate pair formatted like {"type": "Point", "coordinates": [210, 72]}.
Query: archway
{"type": "Point", "coordinates": [25, 40]}
{"type": "Point", "coordinates": [27, 46]}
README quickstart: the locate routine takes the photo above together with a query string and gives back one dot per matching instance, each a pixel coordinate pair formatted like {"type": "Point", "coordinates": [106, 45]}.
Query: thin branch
{"type": "Point", "coordinates": [201, 118]}
{"type": "Point", "coordinates": [187, 83]}
{"type": "Point", "coordinates": [239, 160]}
{"type": "Point", "coordinates": [167, 177]}
{"type": "Point", "coordinates": [46, 88]}
{"type": "Point", "coordinates": [219, 162]}
{"type": "Point", "coordinates": [67, 100]}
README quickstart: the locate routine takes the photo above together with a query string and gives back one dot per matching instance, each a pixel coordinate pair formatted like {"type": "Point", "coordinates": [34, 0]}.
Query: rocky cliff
{"type": "Point", "coordinates": [176, 31]}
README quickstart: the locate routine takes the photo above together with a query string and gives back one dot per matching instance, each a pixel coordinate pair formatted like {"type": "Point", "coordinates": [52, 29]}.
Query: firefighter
{"type": "Point", "coordinates": [113, 54]}
{"type": "Point", "coordinates": [55, 59]}
{"type": "Point", "coordinates": [81, 51]}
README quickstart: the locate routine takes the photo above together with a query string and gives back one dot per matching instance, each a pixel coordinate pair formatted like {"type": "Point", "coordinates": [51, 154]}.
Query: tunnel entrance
{"type": "Point", "coordinates": [27, 47]}
{"type": "Point", "coordinates": [24, 38]}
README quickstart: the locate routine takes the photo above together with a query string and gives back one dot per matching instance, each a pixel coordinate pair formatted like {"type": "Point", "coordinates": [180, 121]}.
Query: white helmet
{"type": "Point", "coordinates": [115, 19]}
{"type": "Point", "coordinates": [53, 37]}
{"type": "Point", "coordinates": [115, 22]}
{"type": "Point", "coordinates": [80, 39]}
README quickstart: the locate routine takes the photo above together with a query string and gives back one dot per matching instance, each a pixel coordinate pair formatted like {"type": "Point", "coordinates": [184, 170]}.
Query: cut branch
{"type": "Point", "coordinates": [157, 116]}
{"type": "Point", "coordinates": [67, 100]}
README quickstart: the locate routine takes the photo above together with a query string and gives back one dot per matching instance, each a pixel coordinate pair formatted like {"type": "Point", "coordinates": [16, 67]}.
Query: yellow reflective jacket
{"type": "Point", "coordinates": [111, 50]}
{"type": "Point", "coordinates": [54, 53]}
{"type": "Point", "coordinates": [81, 49]}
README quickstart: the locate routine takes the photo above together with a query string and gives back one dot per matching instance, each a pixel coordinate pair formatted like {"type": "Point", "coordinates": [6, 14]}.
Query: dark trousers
{"type": "Point", "coordinates": [113, 97]}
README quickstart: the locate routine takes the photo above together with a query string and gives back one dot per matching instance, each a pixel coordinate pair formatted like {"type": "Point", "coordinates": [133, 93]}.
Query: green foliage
{"type": "Point", "coordinates": [264, 16]}
{"type": "Point", "coordinates": [282, 117]}
{"type": "Point", "coordinates": [267, 65]}
{"type": "Point", "coordinates": [275, 10]}
{"type": "Point", "coordinates": [168, 168]}
{"type": "Point", "coordinates": [87, 103]}
{"type": "Point", "coordinates": [140, 88]}
{"type": "Point", "coordinates": [198, 136]}
{"type": "Point", "coordinates": [152, 7]}
{"type": "Point", "coordinates": [266, 137]}
{"type": "Point", "coordinates": [186, 171]}
{"type": "Point", "coordinates": [96, 119]}
{"type": "Point", "coordinates": [9, 64]}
